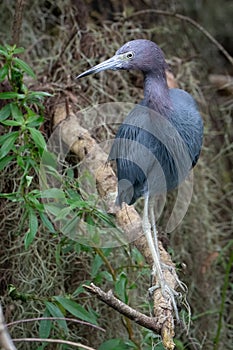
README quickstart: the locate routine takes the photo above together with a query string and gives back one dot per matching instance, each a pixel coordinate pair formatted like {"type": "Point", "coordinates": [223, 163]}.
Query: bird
{"type": "Point", "coordinates": [158, 143]}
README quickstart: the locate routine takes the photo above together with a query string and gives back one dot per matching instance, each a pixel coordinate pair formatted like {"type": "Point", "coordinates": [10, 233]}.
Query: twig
{"type": "Point", "coordinates": [107, 263]}
{"type": "Point", "coordinates": [222, 82]}
{"type": "Point", "coordinates": [17, 22]}
{"type": "Point", "coordinates": [192, 22]}
{"type": "Point", "coordinates": [6, 342]}
{"type": "Point", "coordinates": [55, 318]}
{"type": "Point", "coordinates": [59, 341]}
{"type": "Point", "coordinates": [109, 299]}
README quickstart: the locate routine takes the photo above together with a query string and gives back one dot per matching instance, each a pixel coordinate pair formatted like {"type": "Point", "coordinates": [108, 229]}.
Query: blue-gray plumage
{"type": "Point", "coordinates": [159, 141]}
{"type": "Point", "coordinates": [181, 115]}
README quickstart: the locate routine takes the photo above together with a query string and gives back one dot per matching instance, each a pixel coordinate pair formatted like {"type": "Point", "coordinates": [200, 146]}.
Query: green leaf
{"type": "Point", "coordinates": [5, 112]}
{"type": "Point", "coordinates": [105, 275]}
{"type": "Point", "coordinates": [53, 208]}
{"type": "Point", "coordinates": [9, 47]}
{"type": "Point", "coordinates": [3, 72]}
{"type": "Point", "coordinates": [24, 66]}
{"type": "Point", "coordinates": [38, 94]}
{"type": "Point", "coordinates": [55, 311]}
{"type": "Point", "coordinates": [63, 213]}
{"type": "Point", "coordinates": [53, 193]}
{"type": "Point", "coordinates": [18, 50]}
{"type": "Point", "coordinates": [16, 112]}
{"type": "Point", "coordinates": [11, 123]}
{"type": "Point", "coordinates": [46, 222]}
{"type": "Point", "coordinates": [105, 218]}
{"type": "Point", "coordinates": [58, 255]}
{"type": "Point", "coordinates": [70, 228]}
{"type": "Point", "coordinates": [113, 344]}
{"type": "Point", "coordinates": [7, 136]}
{"type": "Point", "coordinates": [37, 138]}
{"type": "Point", "coordinates": [45, 326]}
{"type": "Point", "coordinates": [79, 290]}
{"type": "Point", "coordinates": [14, 197]}
{"type": "Point", "coordinates": [120, 287]}
{"type": "Point", "coordinates": [3, 52]}
{"type": "Point", "coordinates": [28, 180]}
{"type": "Point", "coordinates": [34, 120]}
{"type": "Point", "coordinates": [33, 226]}
{"type": "Point", "coordinates": [21, 161]}
{"type": "Point", "coordinates": [8, 144]}
{"type": "Point", "coordinates": [33, 222]}
{"type": "Point", "coordinates": [41, 93]}
{"type": "Point", "coordinates": [10, 94]}
{"type": "Point", "coordinates": [76, 309]}
{"type": "Point", "coordinates": [34, 201]}
{"type": "Point", "coordinates": [5, 161]}
{"type": "Point", "coordinates": [179, 344]}
{"type": "Point", "coordinates": [97, 262]}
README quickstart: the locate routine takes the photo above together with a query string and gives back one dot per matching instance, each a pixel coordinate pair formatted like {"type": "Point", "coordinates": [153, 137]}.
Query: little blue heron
{"type": "Point", "coordinates": [159, 141]}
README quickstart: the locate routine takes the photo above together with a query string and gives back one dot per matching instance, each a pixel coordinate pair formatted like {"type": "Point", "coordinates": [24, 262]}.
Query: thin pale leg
{"type": "Point", "coordinates": [152, 246]}
{"type": "Point", "coordinates": [153, 224]}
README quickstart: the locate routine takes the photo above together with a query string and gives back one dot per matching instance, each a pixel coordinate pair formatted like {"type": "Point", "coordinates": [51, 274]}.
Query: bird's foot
{"type": "Point", "coordinates": [172, 270]}
{"type": "Point", "coordinates": [168, 293]}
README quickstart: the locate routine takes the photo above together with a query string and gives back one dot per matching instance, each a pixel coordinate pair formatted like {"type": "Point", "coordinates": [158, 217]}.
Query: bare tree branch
{"type": "Point", "coordinates": [109, 299]}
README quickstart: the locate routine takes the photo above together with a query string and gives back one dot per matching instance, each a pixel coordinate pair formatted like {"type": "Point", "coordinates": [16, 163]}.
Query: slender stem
{"type": "Point", "coordinates": [107, 263]}
{"type": "Point", "coordinates": [59, 341]}
{"type": "Point", "coordinates": [17, 22]}
{"type": "Point", "coordinates": [55, 319]}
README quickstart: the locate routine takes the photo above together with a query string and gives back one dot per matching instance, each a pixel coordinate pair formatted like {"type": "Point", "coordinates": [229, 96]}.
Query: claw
{"type": "Point", "coordinates": [152, 289]}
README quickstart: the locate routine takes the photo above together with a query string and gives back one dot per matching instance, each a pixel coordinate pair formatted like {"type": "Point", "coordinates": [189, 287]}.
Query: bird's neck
{"type": "Point", "coordinates": [156, 92]}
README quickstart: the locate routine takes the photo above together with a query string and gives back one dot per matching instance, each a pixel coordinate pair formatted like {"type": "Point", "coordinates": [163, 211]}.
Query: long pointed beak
{"type": "Point", "coordinates": [113, 63]}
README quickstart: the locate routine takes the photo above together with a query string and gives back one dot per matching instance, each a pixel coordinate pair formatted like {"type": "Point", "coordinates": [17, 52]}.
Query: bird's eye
{"type": "Point", "coordinates": [130, 55]}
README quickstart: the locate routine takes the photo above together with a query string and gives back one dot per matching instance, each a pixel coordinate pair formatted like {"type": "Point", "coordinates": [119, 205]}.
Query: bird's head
{"type": "Point", "coordinates": [141, 54]}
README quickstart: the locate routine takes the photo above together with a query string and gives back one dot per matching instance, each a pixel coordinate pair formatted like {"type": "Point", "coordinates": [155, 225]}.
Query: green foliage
{"type": "Point", "coordinates": [117, 344]}
{"type": "Point", "coordinates": [45, 326]}
{"type": "Point", "coordinates": [54, 311]}
{"type": "Point", "coordinates": [76, 309]}
{"type": "Point", "coordinates": [22, 143]}
{"type": "Point", "coordinates": [121, 287]}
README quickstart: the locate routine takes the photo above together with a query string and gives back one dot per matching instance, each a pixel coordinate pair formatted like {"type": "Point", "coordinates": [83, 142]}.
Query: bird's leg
{"type": "Point", "coordinates": [153, 223]}
{"type": "Point", "coordinates": [166, 290]}
{"type": "Point", "coordinates": [151, 243]}
{"type": "Point", "coordinates": [152, 217]}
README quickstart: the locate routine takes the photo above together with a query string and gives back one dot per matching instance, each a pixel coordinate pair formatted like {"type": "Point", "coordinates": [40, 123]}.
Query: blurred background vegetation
{"type": "Point", "coordinates": [62, 39]}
